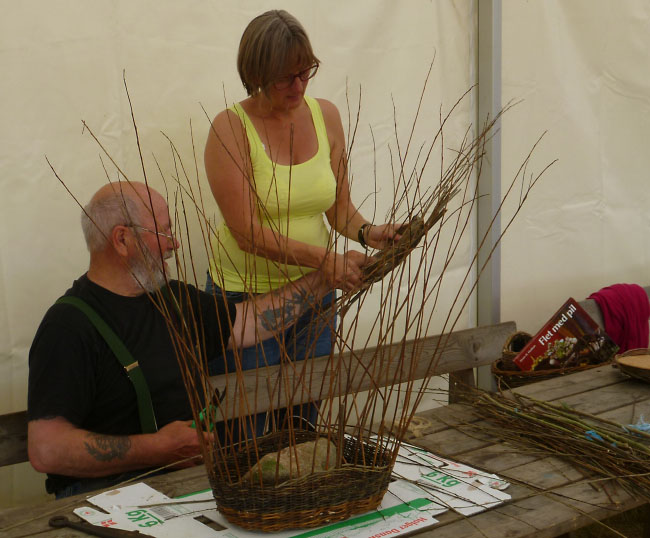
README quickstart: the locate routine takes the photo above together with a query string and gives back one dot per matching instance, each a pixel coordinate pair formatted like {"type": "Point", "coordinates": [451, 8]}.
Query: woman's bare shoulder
{"type": "Point", "coordinates": [328, 108]}
{"type": "Point", "coordinates": [227, 118]}
{"type": "Point", "coordinates": [331, 116]}
{"type": "Point", "coordinates": [227, 125]}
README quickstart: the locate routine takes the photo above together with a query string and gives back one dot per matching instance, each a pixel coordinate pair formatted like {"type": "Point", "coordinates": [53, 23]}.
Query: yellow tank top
{"type": "Point", "coordinates": [292, 202]}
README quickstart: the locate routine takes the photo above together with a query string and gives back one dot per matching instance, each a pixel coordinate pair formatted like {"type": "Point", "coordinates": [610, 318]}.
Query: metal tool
{"type": "Point", "coordinates": [94, 530]}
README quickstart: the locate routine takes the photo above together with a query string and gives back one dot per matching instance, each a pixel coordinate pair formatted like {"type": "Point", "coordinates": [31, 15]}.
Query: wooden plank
{"type": "Point", "coordinates": [502, 458]}
{"type": "Point", "coordinates": [453, 519]}
{"type": "Point", "coordinates": [546, 514]}
{"type": "Point", "coordinates": [609, 398]}
{"type": "Point", "coordinates": [13, 438]}
{"type": "Point", "coordinates": [19, 522]}
{"type": "Point", "coordinates": [544, 474]}
{"type": "Point", "coordinates": [181, 482]}
{"type": "Point", "coordinates": [561, 387]}
{"type": "Point", "coordinates": [499, 457]}
{"type": "Point", "coordinates": [293, 383]}
{"type": "Point", "coordinates": [536, 515]}
{"type": "Point", "coordinates": [570, 504]}
{"type": "Point", "coordinates": [438, 419]}
{"type": "Point", "coordinates": [460, 383]}
{"type": "Point", "coordinates": [589, 503]}
{"type": "Point", "coordinates": [452, 415]}
{"type": "Point", "coordinates": [454, 525]}
{"type": "Point", "coordinates": [628, 414]}
{"type": "Point", "coordinates": [437, 355]}
{"type": "Point", "coordinates": [451, 443]}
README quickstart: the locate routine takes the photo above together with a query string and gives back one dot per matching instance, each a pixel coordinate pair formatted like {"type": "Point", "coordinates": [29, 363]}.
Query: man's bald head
{"type": "Point", "coordinates": [116, 204]}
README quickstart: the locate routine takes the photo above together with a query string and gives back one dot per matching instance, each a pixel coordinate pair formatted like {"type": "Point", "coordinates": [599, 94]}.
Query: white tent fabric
{"type": "Point", "coordinates": [582, 69]}
{"type": "Point", "coordinates": [63, 62]}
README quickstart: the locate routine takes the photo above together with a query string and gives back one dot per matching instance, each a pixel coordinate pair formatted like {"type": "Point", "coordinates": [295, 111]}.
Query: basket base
{"type": "Point", "coordinates": [301, 519]}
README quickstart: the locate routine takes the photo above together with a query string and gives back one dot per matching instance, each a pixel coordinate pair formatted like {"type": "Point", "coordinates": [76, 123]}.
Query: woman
{"type": "Point", "coordinates": [276, 162]}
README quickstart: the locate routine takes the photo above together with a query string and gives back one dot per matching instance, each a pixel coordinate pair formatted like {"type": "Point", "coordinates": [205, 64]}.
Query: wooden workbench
{"type": "Point", "coordinates": [549, 496]}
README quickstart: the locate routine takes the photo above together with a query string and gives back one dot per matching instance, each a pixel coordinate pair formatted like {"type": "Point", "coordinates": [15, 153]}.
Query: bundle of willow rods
{"type": "Point", "coordinates": [602, 447]}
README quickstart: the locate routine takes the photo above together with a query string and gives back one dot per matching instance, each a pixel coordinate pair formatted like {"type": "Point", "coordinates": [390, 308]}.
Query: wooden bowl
{"type": "Point", "coordinates": [635, 363]}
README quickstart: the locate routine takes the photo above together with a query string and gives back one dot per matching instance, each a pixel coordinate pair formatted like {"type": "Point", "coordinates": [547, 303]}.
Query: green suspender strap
{"type": "Point", "coordinates": [131, 366]}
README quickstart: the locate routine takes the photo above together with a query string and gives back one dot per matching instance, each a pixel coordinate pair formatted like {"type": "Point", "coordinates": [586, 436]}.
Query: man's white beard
{"type": "Point", "coordinates": [147, 271]}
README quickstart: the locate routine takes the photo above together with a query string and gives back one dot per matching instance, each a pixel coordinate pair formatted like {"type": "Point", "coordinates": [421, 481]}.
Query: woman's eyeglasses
{"type": "Point", "coordinates": [284, 82]}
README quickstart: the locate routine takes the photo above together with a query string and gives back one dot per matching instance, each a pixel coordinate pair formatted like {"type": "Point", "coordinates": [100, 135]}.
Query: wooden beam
{"type": "Point", "coordinates": [319, 379]}
{"type": "Point", "coordinates": [13, 438]}
{"type": "Point", "coordinates": [460, 351]}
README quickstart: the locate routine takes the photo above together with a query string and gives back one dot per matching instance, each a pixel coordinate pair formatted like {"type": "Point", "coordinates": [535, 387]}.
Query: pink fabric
{"type": "Point", "coordinates": [625, 309]}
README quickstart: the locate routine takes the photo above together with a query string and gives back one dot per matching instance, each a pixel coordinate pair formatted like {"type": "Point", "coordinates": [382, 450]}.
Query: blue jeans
{"type": "Point", "coordinates": [308, 337]}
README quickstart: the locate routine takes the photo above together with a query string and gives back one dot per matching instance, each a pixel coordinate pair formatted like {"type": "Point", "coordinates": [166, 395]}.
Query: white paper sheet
{"type": "Point", "coordinates": [425, 486]}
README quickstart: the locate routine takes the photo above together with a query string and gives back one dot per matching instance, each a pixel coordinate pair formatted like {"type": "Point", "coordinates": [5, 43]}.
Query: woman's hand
{"type": "Point", "coordinates": [382, 235]}
{"type": "Point", "coordinates": [344, 271]}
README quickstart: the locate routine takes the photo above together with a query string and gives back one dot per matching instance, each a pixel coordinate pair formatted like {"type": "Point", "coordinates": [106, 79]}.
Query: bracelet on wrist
{"type": "Point", "coordinates": [361, 235]}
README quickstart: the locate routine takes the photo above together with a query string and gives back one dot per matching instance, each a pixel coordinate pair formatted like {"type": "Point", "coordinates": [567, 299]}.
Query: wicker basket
{"type": "Point", "coordinates": [516, 378]}
{"type": "Point", "coordinates": [310, 501]}
{"type": "Point", "coordinates": [635, 363]}
{"type": "Point", "coordinates": [509, 376]}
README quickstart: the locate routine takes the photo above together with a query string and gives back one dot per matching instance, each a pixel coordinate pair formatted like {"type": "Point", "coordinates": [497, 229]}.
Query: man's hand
{"type": "Point", "coordinates": [56, 446]}
{"type": "Point", "coordinates": [180, 443]}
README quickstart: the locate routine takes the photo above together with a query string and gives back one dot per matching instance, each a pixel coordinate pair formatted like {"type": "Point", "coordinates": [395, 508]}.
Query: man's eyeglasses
{"type": "Point", "coordinates": [284, 82]}
{"type": "Point", "coordinates": [162, 234]}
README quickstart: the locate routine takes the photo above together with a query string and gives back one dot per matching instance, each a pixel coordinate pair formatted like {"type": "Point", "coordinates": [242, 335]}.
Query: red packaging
{"type": "Point", "coordinates": [570, 338]}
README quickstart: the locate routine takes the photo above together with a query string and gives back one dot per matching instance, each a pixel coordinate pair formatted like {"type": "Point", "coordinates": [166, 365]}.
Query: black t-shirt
{"type": "Point", "coordinates": [73, 373]}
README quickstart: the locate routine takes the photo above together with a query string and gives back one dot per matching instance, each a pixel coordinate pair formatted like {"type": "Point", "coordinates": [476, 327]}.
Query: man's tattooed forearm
{"type": "Point", "coordinates": [273, 319]}
{"type": "Point", "coordinates": [107, 447]}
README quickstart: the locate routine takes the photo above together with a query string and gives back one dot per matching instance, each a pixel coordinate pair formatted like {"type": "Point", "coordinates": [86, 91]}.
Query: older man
{"type": "Point", "coordinates": [86, 417]}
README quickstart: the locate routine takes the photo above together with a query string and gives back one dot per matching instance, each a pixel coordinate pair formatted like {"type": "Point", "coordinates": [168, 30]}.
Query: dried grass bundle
{"type": "Point", "coordinates": [600, 447]}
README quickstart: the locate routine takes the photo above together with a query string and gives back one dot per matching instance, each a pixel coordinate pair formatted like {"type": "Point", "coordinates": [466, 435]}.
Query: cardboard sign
{"type": "Point", "coordinates": [425, 486]}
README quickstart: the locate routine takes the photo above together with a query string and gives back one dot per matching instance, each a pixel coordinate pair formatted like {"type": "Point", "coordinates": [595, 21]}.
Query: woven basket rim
{"type": "Point", "coordinates": [539, 373]}
{"type": "Point", "coordinates": [264, 442]}
{"type": "Point", "coordinates": [510, 340]}
{"type": "Point", "coordinates": [633, 352]}
{"type": "Point", "coordinates": [638, 372]}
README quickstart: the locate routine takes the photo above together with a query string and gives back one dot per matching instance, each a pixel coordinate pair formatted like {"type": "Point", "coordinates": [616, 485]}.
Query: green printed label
{"type": "Point", "coordinates": [143, 518]}
{"type": "Point", "coordinates": [442, 479]}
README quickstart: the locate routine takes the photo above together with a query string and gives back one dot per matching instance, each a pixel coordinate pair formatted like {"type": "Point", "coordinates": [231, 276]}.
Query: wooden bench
{"type": "Point", "coordinates": [463, 351]}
